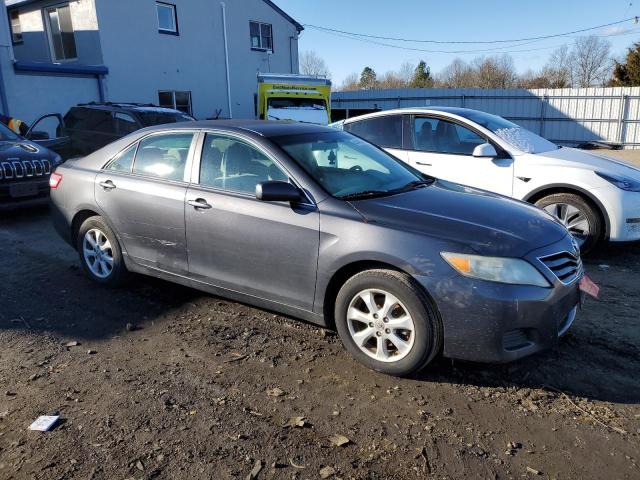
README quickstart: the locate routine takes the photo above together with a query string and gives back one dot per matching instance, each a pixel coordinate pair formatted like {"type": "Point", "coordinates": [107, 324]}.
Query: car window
{"type": "Point", "coordinates": [163, 156]}
{"type": "Point", "coordinates": [345, 165]}
{"type": "Point", "coordinates": [383, 131]}
{"type": "Point", "coordinates": [76, 118]}
{"type": "Point", "coordinates": [124, 161]}
{"type": "Point", "coordinates": [124, 123]}
{"type": "Point", "coordinates": [98, 121]}
{"type": "Point", "coordinates": [441, 136]}
{"type": "Point", "coordinates": [235, 165]}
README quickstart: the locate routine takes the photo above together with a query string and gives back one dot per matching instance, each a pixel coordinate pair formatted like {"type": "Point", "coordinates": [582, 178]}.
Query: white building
{"type": "Point", "coordinates": [201, 56]}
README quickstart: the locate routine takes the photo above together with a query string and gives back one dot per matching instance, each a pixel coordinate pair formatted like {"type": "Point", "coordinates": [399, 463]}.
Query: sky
{"type": "Point", "coordinates": [453, 20]}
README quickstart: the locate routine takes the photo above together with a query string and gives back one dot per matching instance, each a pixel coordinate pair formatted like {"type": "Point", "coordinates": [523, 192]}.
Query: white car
{"type": "Point", "coordinates": [595, 197]}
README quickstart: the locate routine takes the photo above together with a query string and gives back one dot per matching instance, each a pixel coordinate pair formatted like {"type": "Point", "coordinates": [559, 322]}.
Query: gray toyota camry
{"type": "Point", "coordinates": [318, 224]}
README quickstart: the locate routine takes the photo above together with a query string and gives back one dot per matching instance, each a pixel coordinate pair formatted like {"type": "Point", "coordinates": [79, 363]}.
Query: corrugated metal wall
{"type": "Point", "coordinates": [566, 115]}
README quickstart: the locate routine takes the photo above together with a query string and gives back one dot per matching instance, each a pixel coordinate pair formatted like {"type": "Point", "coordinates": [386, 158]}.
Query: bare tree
{"type": "Point", "coordinates": [406, 72]}
{"type": "Point", "coordinates": [495, 72]}
{"type": "Point", "coordinates": [558, 68]}
{"type": "Point", "coordinates": [312, 64]}
{"type": "Point", "coordinates": [391, 80]}
{"type": "Point", "coordinates": [350, 83]}
{"type": "Point", "coordinates": [591, 63]}
{"type": "Point", "coordinates": [458, 74]}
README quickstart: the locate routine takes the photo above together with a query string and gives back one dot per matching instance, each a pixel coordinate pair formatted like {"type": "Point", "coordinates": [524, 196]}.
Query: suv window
{"type": "Point", "coordinates": [163, 156]}
{"type": "Point", "coordinates": [124, 123]}
{"type": "Point", "coordinates": [383, 131]}
{"type": "Point", "coordinates": [441, 136]}
{"type": "Point", "coordinates": [232, 164]}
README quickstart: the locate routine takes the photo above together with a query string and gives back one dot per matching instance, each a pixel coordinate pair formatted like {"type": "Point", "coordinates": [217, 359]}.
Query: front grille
{"type": "Point", "coordinates": [566, 266]}
{"type": "Point", "coordinates": [15, 169]}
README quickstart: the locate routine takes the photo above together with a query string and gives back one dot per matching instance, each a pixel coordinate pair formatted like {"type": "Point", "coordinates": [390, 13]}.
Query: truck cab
{"type": "Point", "coordinates": [302, 98]}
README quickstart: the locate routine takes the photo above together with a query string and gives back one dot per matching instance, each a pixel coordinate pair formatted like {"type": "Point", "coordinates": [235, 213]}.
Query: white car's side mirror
{"type": "Point", "coordinates": [485, 150]}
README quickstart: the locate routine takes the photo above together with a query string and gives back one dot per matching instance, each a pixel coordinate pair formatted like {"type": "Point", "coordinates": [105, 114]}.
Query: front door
{"type": "Point", "coordinates": [444, 149]}
{"type": "Point", "coordinates": [142, 193]}
{"type": "Point", "coordinates": [263, 249]}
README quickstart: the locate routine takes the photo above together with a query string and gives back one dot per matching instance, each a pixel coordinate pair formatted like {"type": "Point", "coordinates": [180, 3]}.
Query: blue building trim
{"type": "Point", "coordinates": [36, 67]}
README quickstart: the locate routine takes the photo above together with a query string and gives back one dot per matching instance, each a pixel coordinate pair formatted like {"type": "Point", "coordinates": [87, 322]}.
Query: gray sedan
{"type": "Point", "coordinates": [318, 224]}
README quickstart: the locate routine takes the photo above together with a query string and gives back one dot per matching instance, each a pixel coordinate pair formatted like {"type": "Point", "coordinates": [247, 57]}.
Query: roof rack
{"type": "Point", "coordinates": [117, 104]}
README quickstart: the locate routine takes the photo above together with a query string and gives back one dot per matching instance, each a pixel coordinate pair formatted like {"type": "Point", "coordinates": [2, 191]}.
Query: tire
{"type": "Point", "coordinates": [555, 205]}
{"type": "Point", "coordinates": [414, 349]}
{"type": "Point", "coordinates": [112, 271]}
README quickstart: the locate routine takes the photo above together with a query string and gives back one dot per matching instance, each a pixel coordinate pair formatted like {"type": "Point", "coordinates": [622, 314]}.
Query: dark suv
{"type": "Point", "coordinates": [90, 126]}
{"type": "Point", "coordinates": [25, 168]}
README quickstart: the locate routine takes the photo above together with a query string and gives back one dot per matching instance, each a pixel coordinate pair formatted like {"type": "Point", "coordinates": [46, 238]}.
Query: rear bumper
{"type": "Point", "coordinates": [496, 323]}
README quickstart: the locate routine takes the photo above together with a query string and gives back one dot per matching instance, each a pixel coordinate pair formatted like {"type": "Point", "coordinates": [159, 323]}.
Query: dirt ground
{"type": "Point", "coordinates": [197, 387]}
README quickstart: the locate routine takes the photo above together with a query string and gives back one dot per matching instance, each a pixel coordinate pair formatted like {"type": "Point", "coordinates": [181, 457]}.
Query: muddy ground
{"type": "Point", "coordinates": [199, 387]}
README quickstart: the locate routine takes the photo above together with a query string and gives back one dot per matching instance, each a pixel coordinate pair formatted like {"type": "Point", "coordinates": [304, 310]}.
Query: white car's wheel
{"type": "Point", "coordinates": [578, 215]}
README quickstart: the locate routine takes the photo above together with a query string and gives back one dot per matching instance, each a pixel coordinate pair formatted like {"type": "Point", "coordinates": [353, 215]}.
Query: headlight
{"type": "Point", "coordinates": [623, 183]}
{"type": "Point", "coordinates": [496, 269]}
{"type": "Point", "coordinates": [57, 159]}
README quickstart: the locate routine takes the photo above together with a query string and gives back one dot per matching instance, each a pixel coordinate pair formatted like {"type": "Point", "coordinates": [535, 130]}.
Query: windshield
{"type": "Point", "coordinates": [307, 110]}
{"type": "Point", "coordinates": [516, 136]}
{"type": "Point", "coordinates": [348, 167]}
{"type": "Point", "coordinates": [151, 118]}
{"type": "Point", "coordinates": [7, 134]}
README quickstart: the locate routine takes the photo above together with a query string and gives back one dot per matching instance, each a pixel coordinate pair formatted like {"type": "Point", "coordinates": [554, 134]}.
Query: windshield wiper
{"type": "Point", "coordinates": [413, 185]}
{"type": "Point", "coordinates": [364, 194]}
{"type": "Point", "coordinates": [274, 117]}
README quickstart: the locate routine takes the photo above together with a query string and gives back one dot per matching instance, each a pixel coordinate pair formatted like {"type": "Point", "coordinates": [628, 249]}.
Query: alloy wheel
{"type": "Point", "coordinates": [98, 253]}
{"type": "Point", "coordinates": [380, 325]}
{"type": "Point", "coordinates": [573, 218]}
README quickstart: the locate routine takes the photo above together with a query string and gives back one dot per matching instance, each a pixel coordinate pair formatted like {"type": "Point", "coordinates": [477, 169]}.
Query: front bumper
{"type": "Point", "coordinates": [624, 214]}
{"type": "Point", "coordinates": [495, 323]}
{"type": "Point", "coordinates": [40, 195]}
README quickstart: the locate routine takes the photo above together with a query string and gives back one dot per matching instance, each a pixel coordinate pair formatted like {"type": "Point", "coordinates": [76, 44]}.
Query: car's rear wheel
{"type": "Point", "coordinates": [578, 215]}
{"type": "Point", "coordinates": [100, 253]}
{"type": "Point", "coordinates": [387, 322]}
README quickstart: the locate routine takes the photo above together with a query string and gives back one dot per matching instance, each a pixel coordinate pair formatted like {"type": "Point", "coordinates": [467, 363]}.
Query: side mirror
{"type": "Point", "coordinates": [38, 136]}
{"type": "Point", "coordinates": [275, 191]}
{"type": "Point", "coordinates": [486, 150]}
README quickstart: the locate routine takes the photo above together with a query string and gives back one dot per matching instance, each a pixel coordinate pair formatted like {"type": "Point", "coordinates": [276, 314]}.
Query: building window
{"type": "Point", "coordinates": [16, 28]}
{"type": "Point", "coordinates": [261, 36]}
{"type": "Point", "coordinates": [62, 40]}
{"type": "Point", "coordinates": [176, 100]}
{"type": "Point", "coordinates": [167, 18]}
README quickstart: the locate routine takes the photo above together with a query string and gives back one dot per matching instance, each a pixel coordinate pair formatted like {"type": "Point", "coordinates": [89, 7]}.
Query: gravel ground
{"type": "Point", "coordinates": [160, 381]}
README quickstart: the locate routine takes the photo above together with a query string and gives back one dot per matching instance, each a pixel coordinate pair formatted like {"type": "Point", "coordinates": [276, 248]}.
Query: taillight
{"type": "Point", "coordinates": [54, 180]}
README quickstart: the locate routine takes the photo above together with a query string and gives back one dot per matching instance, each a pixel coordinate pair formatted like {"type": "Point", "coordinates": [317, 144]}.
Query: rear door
{"type": "Point", "coordinates": [142, 192]}
{"type": "Point", "coordinates": [386, 131]}
{"type": "Point", "coordinates": [444, 149]}
{"type": "Point", "coordinates": [264, 249]}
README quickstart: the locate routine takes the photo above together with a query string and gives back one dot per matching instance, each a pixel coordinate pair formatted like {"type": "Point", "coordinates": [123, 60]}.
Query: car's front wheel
{"type": "Point", "coordinates": [100, 253]}
{"type": "Point", "coordinates": [387, 322]}
{"type": "Point", "coordinates": [578, 215]}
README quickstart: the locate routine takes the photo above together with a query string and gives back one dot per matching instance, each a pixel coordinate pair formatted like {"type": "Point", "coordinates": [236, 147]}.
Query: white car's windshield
{"type": "Point", "coordinates": [348, 167]}
{"type": "Point", "coordinates": [516, 136]}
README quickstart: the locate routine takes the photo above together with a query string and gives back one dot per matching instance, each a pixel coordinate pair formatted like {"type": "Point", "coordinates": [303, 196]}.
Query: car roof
{"type": "Point", "coordinates": [135, 107]}
{"type": "Point", "coordinates": [462, 112]}
{"type": "Point", "coordinates": [265, 128]}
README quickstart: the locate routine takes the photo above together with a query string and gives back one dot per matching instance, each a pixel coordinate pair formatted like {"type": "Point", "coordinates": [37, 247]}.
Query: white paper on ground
{"type": "Point", "coordinates": [44, 423]}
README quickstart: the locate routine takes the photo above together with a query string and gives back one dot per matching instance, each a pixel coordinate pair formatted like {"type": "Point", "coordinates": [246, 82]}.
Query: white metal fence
{"type": "Point", "coordinates": [566, 115]}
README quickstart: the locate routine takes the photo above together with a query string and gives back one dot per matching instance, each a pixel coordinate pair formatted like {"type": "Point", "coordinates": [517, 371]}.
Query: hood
{"type": "Point", "coordinates": [489, 224]}
{"type": "Point", "coordinates": [23, 150]}
{"type": "Point", "coordinates": [589, 161]}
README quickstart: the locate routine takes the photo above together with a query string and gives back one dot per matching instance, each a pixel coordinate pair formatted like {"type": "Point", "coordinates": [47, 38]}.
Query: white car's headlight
{"type": "Point", "coordinates": [623, 183]}
{"type": "Point", "coordinates": [496, 269]}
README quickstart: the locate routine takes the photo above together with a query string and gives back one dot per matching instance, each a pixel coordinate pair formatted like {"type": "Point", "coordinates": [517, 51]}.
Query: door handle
{"type": "Point", "coordinates": [107, 185]}
{"type": "Point", "coordinates": [199, 204]}
{"type": "Point", "coordinates": [424, 164]}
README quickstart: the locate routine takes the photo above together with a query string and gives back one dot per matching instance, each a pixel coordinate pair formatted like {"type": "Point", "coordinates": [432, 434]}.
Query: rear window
{"type": "Point", "coordinates": [150, 119]}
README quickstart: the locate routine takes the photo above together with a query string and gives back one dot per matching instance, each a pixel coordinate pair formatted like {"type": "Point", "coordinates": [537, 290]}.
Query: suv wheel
{"type": "Point", "coordinates": [579, 216]}
{"type": "Point", "coordinates": [100, 252]}
{"type": "Point", "coordinates": [387, 322]}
